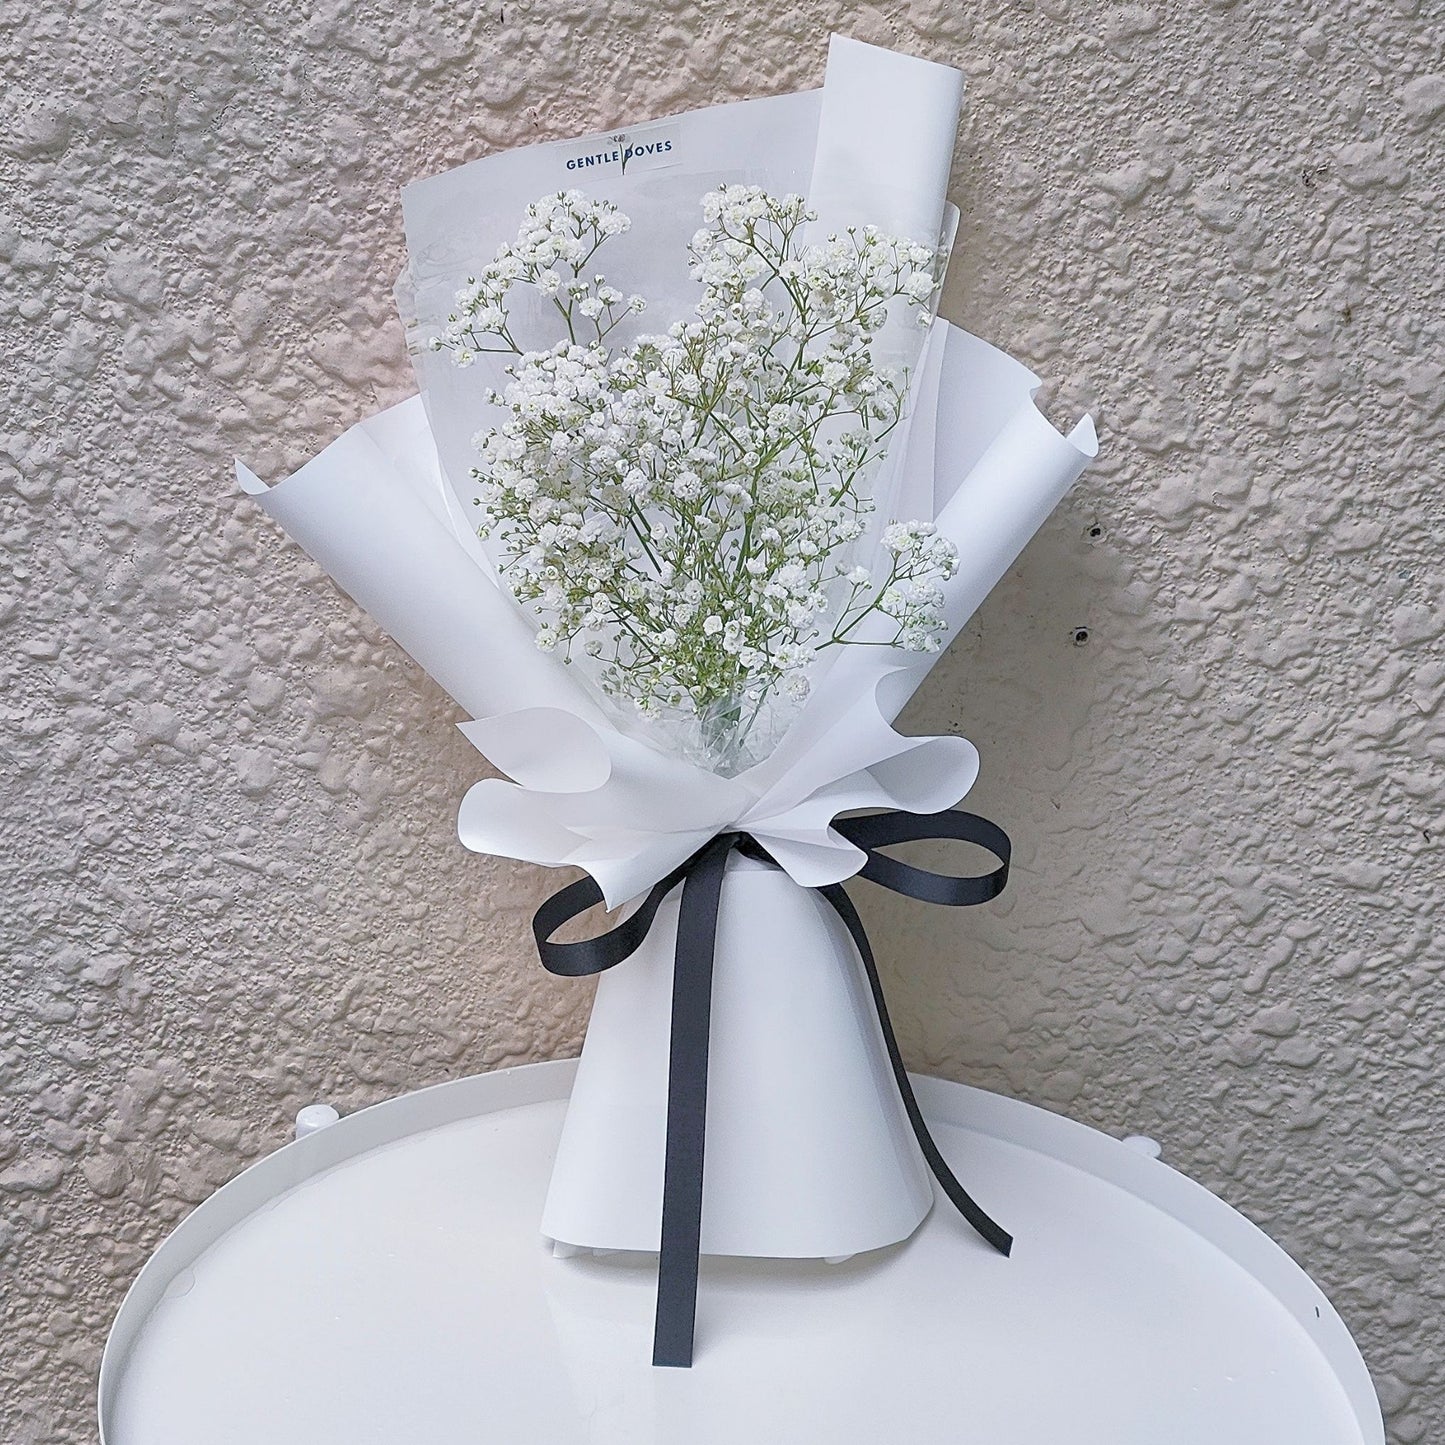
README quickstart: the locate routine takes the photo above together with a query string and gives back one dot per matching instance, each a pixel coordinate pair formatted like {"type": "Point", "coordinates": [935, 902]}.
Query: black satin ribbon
{"type": "Point", "coordinates": [701, 877]}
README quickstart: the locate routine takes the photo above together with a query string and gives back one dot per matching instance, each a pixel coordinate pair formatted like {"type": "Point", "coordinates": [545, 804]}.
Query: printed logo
{"type": "Point", "coordinates": [650, 148]}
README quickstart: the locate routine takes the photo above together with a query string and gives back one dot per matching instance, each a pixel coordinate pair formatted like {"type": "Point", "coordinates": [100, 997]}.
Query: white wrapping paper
{"type": "Point", "coordinates": [583, 792]}
{"type": "Point", "coordinates": [386, 509]}
{"type": "Point", "coordinates": [884, 148]}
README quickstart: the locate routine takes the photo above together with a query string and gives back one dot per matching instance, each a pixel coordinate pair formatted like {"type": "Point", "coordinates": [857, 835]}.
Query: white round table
{"type": "Point", "coordinates": [382, 1282]}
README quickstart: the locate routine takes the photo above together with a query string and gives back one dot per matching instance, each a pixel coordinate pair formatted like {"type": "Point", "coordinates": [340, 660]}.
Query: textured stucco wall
{"type": "Point", "coordinates": [230, 881]}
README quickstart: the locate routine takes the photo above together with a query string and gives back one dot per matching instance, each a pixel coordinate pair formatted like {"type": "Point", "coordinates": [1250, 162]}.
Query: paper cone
{"type": "Point", "coordinates": [809, 1151]}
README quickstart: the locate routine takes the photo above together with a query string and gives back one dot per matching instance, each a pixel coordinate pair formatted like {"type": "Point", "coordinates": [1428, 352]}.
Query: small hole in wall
{"type": "Point", "coordinates": [1095, 531]}
{"type": "Point", "coordinates": [1080, 636]}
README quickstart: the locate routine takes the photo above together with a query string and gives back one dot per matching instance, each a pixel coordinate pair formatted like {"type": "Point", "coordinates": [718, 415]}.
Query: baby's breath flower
{"type": "Point", "coordinates": [682, 508]}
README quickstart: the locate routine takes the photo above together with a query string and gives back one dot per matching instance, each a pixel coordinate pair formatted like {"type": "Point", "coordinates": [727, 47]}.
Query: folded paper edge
{"type": "Point", "coordinates": [812, 851]}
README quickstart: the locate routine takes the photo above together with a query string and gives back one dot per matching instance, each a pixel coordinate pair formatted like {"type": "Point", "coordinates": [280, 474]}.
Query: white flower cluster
{"type": "Point", "coordinates": [682, 510]}
{"type": "Point", "coordinates": [557, 240]}
{"type": "Point", "coordinates": [911, 596]}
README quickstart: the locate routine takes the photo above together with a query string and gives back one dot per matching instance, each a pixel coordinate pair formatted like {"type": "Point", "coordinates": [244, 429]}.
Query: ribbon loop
{"type": "Point", "coordinates": [701, 877]}
{"type": "Point", "coordinates": [882, 830]}
{"type": "Point", "coordinates": [596, 955]}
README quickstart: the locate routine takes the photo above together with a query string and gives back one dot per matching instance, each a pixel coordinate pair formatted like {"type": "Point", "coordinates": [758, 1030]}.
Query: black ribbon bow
{"type": "Point", "coordinates": [701, 877]}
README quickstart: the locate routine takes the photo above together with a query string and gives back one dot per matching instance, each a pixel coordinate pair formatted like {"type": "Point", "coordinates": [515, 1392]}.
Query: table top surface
{"type": "Point", "coordinates": [384, 1281]}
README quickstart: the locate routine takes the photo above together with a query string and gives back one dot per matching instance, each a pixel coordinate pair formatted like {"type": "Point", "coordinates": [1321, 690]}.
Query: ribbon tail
{"type": "Point", "coordinates": [681, 1245]}
{"type": "Point", "coordinates": [958, 1196]}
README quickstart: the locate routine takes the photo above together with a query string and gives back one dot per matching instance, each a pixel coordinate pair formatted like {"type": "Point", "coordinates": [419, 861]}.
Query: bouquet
{"type": "Point", "coordinates": [696, 488]}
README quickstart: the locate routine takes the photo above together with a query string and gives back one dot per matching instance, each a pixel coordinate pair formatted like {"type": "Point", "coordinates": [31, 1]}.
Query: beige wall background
{"type": "Point", "coordinates": [1208, 697]}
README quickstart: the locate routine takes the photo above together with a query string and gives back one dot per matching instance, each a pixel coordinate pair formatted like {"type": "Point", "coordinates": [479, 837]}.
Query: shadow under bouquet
{"type": "Point", "coordinates": [696, 489]}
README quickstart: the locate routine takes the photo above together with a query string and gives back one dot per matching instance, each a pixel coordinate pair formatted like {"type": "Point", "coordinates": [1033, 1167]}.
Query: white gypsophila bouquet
{"type": "Point", "coordinates": [687, 512]}
{"type": "Point", "coordinates": [702, 523]}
